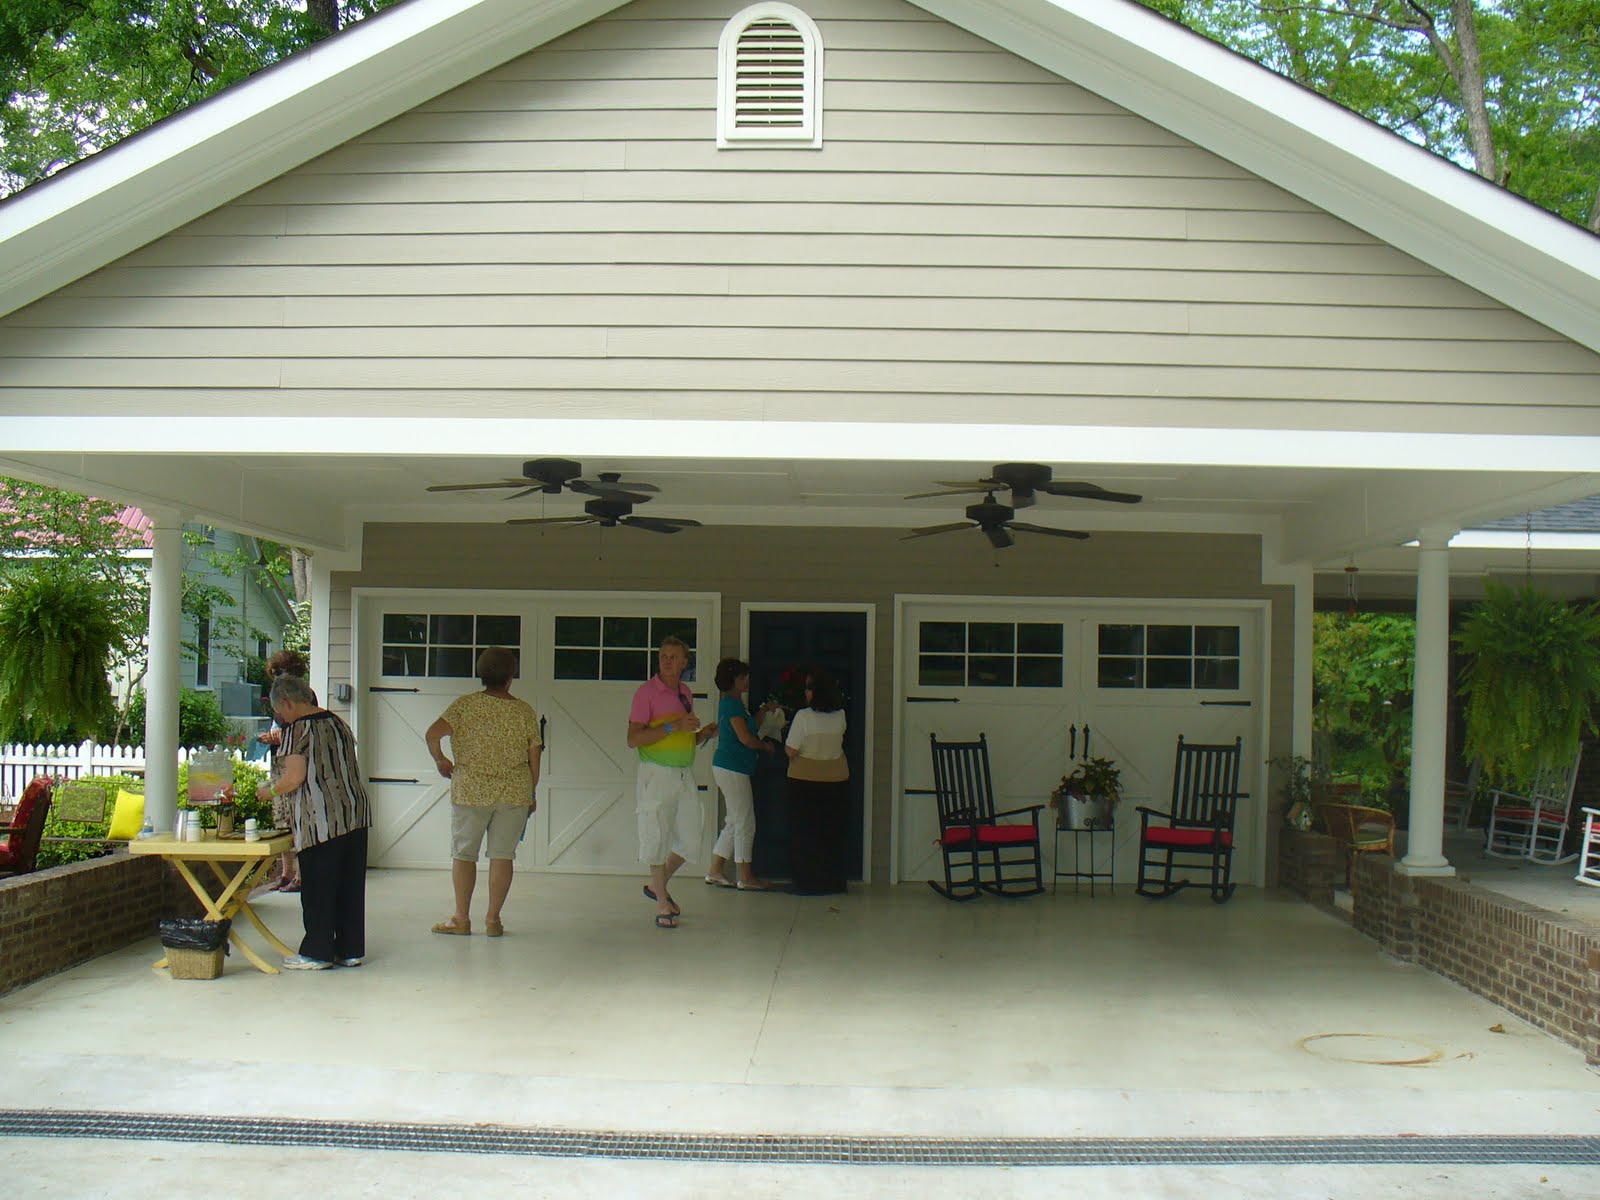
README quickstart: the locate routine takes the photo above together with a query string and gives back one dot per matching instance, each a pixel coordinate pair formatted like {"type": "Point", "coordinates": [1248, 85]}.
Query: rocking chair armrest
{"type": "Point", "coordinates": [1035, 809]}
{"type": "Point", "coordinates": [1153, 812]}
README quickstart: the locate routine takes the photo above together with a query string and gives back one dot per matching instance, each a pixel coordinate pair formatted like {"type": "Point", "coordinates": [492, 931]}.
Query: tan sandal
{"type": "Point", "coordinates": [461, 928]}
{"type": "Point", "coordinates": [494, 929]}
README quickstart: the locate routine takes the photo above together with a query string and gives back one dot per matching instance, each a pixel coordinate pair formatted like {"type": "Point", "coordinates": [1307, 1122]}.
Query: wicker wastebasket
{"type": "Point", "coordinates": [194, 947]}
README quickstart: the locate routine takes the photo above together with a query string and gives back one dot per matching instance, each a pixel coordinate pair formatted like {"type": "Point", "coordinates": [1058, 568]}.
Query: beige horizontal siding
{"type": "Point", "coordinates": [975, 236]}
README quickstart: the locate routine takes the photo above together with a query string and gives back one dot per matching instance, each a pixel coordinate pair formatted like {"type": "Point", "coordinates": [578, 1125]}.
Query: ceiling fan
{"type": "Point", "coordinates": [610, 511]}
{"type": "Point", "coordinates": [1025, 480]}
{"type": "Point", "coordinates": [551, 475]}
{"type": "Point", "coordinates": [995, 520]}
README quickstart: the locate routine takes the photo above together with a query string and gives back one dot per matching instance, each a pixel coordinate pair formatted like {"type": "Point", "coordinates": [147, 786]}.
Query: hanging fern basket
{"type": "Point", "coordinates": [1532, 678]}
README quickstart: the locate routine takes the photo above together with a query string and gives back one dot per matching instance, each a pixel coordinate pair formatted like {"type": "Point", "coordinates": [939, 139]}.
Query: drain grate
{"type": "Point", "coordinates": [808, 1149]}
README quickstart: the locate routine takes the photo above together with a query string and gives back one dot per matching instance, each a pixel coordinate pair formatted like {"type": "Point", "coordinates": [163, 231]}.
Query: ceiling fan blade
{"type": "Point", "coordinates": [661, 524]}
{"type": "Point", "coordinates": [957, 489]}
{"type": "Point", "coordinates": [1075, 534]}
{"type": "Point", "coordinates": [474, 487]}
{"type": "Point", "coordinates": [527, 491]}
{"type": "Point", "coordinates": [1089, 491]}
{"type": "Point", "coordinates": [999, 536]}
{"type": "Point", "coordinates": [549, 520]}
{"type": "Point", "coordinates": [933, 529]}
{"type": "Point", "coordinates": [614, 488]}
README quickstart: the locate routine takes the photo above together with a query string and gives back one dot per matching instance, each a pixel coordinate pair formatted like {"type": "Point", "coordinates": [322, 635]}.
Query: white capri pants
{"type": "Point", "coordinates": [668, 804]}
{"type": "Point", "coordinates": [738, 837]}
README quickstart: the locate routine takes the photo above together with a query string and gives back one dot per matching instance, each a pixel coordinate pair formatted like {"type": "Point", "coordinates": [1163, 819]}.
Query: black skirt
{"type": "Point", "coordinates": [818, 831]}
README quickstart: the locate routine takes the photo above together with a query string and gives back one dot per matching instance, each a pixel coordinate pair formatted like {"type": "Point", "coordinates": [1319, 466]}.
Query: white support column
{"type": "Point", "coordinates": [161, 679]}
{"type": "Point", "coordinates": [1429, 708]}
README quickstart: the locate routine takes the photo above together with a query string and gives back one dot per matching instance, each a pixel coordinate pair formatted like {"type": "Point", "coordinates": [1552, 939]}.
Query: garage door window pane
{"type": "Point", "coordinates": [626, 664]}
{"type": "Point", "coordinates": [942, 637]}
{"type": "Point", "coordinates": [454, 629]}
{"type": "Point", "coordinates": [1170, 640]}
{"type": "Point", "coordinates": [445, 662]}
{"type": "Point", "coordinates": [1167, 673]}
{"type": "Point", "coordinates": [664, 627]}
{"type": "Point", "coordinates": [411, 628]}
{"type": "Point", "coordinates": [1216, 641]}
{"type": "Point", "coordinates": [1039, 639]}
{"type": "Point", "coordinates": [988, 637]}
{"type": "Point", "coordinates": [577, 631]}
{"type": "Point", "coordinates": [1122, 639]}
{"type": "Point", "coordinates": [1221, 674]}
{"type": "Point", "coordinates": [990, 671]}
{"type": "Point", "coordinates": [500, 631]}
{"type": "Point", "coordinates": [942, 670]}
{"type": "Point", "coordinates": [405, 660]}
{"type": "Point", "coordinates": [1038, 672]}
{"type": "Point", "coordinates": [1121, 672]}
{"type": "Point", "coordinates": [627, 631]}
{"type": "Point", "coordinates": [576, 664]}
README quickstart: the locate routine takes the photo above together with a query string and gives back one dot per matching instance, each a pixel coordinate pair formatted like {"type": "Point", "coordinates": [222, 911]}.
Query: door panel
{"type": "Point", "coordinates": [411, 820]}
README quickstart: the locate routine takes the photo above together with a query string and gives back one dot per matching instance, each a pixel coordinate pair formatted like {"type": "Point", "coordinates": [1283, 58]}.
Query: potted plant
{"type": "Point", "coordinates": [1531, 680]}
{"type": "Point", "coordinates": [1087, 796]}
{"type": "Point", "coordinates": [1296, 770]}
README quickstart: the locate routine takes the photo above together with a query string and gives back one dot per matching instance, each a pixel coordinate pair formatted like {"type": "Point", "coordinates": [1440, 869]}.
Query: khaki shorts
{"type": "Point", "coordinates": [503, 823]}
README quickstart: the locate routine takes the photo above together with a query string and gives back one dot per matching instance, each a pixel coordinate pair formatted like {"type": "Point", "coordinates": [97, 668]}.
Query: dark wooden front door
{"type": "Point", "coordinates": [836, 642]}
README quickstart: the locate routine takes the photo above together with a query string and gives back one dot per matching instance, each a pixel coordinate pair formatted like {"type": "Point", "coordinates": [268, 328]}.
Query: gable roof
{"type": "Point", "coordinates": [196, 160]}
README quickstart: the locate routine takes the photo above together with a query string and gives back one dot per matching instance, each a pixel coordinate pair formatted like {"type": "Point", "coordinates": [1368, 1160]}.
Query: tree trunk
{"type": "Point", "coordinates": [1594, 213]}
{"type": "Point", "coordinates": [1474, 103]}
{"type": "Point", "coordinates": [325, 13]}
{"type": "Point", "coordinates": [300, 573]}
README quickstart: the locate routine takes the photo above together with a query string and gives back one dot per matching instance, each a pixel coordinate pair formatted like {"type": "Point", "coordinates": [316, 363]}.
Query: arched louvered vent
{"type": "Point", "coordinates": [769, 78]}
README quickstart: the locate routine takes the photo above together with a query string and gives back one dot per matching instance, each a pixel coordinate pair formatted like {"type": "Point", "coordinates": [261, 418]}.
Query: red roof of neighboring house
{"type": "Point", "coordinates": [134, 519]}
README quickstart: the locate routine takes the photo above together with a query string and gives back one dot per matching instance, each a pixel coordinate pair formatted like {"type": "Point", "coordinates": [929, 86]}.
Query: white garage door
{"type": "Point", "coordinates": [582, 655]}
{"type": "Point", "coordinates": [1045, 679]}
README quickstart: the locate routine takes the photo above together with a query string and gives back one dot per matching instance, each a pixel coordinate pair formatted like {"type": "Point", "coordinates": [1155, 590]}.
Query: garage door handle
{"type": "Point", "coordinates": [393, 689]}
{"type": "Point", "coordinates": [921, 792]}
{"type": "Point", "coordinates": [933, 699]}
{"type": "Point", "coordinates": [1224, 704]}
{"type": "Point", "coordinates": [390, 779]}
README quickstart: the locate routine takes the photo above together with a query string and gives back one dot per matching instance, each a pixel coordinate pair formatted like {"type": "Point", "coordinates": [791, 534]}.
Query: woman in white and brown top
{"type": "Point", "coordinates": [495, 740]}
{"type": "Point", "coordinates": [818, 789]}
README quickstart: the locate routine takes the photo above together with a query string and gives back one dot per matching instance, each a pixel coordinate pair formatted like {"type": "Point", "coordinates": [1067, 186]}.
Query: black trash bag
{"type": "Point", "coordinates": [194, 933]}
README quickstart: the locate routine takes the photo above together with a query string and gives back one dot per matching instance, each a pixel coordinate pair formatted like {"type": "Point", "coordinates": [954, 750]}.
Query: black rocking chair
{"type": "Point", "coordinates": [971, 834]}
{"type": "Point", "coordinates": [1199, 828]}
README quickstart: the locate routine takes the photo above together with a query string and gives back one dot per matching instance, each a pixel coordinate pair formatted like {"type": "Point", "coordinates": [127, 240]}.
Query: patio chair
{"type": "Point", "coordinates": [1533, 824]}
{"type": "Point", "coordinates": [1198, 829]}
{"type": "Point", "coordinates": [19, 841]}
{"type": "Point", "coordinates": [1459, 795]}
{"type": "Point", "coordinates": [1589, 849]}
{"type": "Point", "coordinates": [1357, 829]}
{"type": "Point", "coordinates": [972, 836]}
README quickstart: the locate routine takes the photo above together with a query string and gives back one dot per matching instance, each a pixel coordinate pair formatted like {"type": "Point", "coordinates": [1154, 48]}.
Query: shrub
{"type": "Point", "coordinates": [200, 720]}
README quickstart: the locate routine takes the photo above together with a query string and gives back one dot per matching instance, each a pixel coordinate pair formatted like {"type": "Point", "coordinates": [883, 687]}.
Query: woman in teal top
{"type": "Point", "coordinates": [731, 767]}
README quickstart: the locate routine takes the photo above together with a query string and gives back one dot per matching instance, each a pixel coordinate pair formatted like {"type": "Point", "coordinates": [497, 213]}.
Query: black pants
{"type": "Point", "coordinates": [818, 829]}
{"type": "Point", "coordinates": [333, 898]}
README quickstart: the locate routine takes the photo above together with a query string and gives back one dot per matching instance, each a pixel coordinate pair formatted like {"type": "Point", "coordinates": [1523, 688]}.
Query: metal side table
{"type": "Point", "coordinates": [1092, 831]}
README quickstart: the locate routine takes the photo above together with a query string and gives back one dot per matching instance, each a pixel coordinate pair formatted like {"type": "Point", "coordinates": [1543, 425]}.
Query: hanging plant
{"type": "Point", "coordinates": [1531, 680]}
{"type": "Point", "coordinates": [56, 638]}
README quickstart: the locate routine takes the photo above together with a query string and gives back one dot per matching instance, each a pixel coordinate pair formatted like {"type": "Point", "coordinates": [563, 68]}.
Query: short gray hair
{"type": "Point", "coordinates": [292, 689]}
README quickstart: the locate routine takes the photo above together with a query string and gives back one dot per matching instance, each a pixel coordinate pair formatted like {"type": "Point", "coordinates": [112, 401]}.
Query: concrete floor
{"type": "Point", "coordinates": [885, 1011]}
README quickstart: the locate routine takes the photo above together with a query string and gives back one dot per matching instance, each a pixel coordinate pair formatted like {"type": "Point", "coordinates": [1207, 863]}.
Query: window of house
{"type": "Point", "coordinates": [617, 647]}
{"type": "Point", "coordinates": [202, 654]}
{"type": "Point", "coordinates": [262, 646]}
{"type": "Point", "coordinates": [444, 645]}
{"type": "Point", "coordinates": [990, 654]}
{"type": "Point", "coordinates": [1200, 657]}
{"type": "Point", "coordinates": [769, 79]}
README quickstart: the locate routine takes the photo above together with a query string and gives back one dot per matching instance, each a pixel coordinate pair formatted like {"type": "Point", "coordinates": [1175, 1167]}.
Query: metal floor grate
{"type": "Point", "coordinates": [809, 1149]}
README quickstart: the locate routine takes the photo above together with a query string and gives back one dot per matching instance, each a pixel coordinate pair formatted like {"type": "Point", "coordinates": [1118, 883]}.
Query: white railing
{"type": "Point", "coordinates": [20, 763]}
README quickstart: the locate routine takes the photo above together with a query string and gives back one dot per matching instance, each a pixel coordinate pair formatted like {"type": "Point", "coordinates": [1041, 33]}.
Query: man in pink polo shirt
{"type": "Point", "coordinates": [662, 727]}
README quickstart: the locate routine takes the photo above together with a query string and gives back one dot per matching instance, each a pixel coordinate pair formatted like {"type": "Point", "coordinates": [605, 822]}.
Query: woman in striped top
{"type": "Point", "coordinates": [319, 780]}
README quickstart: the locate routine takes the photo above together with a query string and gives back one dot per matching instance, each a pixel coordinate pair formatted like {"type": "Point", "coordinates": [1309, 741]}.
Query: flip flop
{"type": "Point", "coordinates": [452, 926]}
{"type": "Point", "coordinates": [290, 887]}
{"type": "Point", "coordinates": [752, 887]}
{"type": "Point", "coordinates": [676, 911]}
{"type": "Point", "coordinates": [666, 921]}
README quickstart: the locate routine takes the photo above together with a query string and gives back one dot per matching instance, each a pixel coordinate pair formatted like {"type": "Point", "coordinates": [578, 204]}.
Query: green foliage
{"type": "Point", "coordinates": [1531, 680]}
{"type": "Point", "coordinates": [1363, 666]}
{"type": "Point", "coordinates": [56, 640]}
{"type": "Point", "coordinates": [1295, 770]}
{"type": "Point", "coordinates": [1093, 777]}
{"type": "Point", "coordinates": [200, 720]}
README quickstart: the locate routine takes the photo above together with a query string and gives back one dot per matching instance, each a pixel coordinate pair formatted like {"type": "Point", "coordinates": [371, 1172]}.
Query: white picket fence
{"type": "Point", "coordinates": [20, 763]}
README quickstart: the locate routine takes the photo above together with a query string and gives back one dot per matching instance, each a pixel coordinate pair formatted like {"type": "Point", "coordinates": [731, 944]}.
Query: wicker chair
{"type": "Point", "coordinates": [1357, 829]}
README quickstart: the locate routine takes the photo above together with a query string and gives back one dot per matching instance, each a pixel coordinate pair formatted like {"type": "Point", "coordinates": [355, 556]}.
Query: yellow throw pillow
{"type": "Point", "coordinates": [127, 818]}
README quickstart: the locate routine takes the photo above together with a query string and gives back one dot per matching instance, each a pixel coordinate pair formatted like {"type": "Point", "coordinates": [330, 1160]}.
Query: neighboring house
{"type": "Point", "coordinates": [793, 264]}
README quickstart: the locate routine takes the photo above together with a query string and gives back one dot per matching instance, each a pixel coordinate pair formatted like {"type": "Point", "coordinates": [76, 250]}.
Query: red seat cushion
{"type": "Point", "coordinates": [1162, 836]}
{"type": "Point", "coordinates": [1517, 812]}
{"type": "Point", "coordinates": [990, 835]}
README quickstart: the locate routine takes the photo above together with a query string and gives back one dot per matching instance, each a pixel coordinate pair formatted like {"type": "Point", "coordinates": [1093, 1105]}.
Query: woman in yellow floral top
{"type": "Point", "coordinates": [495, 740]}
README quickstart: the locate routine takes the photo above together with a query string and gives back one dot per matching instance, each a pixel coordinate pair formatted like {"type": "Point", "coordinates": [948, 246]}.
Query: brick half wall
{"type": "Point", "coordinates": [1536, 964]}
{"type": "Point", "coordinates": [57, 918]}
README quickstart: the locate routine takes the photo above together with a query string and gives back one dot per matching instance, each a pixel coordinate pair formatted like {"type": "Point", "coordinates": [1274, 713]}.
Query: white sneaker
{"type": "Point", "coordinates": [353, 962]}
{"type": "Point", "coordinates": [299, 962]}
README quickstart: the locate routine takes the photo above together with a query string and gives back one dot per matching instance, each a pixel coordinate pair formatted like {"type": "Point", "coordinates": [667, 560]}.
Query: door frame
{"type": "Point", "coordinates": [1263, 722]}
{"type": "Point", "coordinates": [830, 606]}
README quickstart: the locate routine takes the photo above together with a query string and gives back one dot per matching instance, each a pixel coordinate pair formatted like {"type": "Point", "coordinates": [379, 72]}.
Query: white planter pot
{"type": "Point", "coordinates": [1085, 812]}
